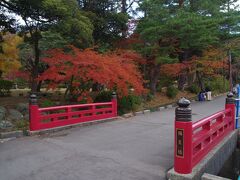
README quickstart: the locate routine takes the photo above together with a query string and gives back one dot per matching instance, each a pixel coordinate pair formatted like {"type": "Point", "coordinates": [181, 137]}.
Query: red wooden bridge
{"type": "Point", "coordinates": [141, 147]}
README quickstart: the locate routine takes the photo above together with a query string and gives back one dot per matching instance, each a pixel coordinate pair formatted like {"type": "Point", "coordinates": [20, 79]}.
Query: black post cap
{"type": "Point", "coordinates": [230, 98]}
{"type": "Point", "coordinates": [114, 95]}
{"type": "Point", "coordinates": [33, 99]}
{"type": "Point", "coordinates": [229, 94]}
{"type": "Point", "coordinates": [183, 112]}
{"type": "Point", "coordinates": [183, 102]}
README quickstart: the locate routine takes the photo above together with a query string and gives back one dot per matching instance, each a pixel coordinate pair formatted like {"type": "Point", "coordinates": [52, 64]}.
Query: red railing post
{"type": "Point", "coordinates": [114, 104]}
{"type": "Point", "coordinates": [183, 137]}
{"type": "Point", "coordinates": [34, 116]}
{"type": "Point", "coordinates": [230, 104]}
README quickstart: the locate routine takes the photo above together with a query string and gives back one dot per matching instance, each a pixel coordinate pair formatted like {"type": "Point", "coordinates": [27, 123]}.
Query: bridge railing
{"type": "Point", "coordinates": [51, 117]}
{"type": "Point", "coordinates": [237, 107]}
{"type": "Point", "coordinates": [194, 140]}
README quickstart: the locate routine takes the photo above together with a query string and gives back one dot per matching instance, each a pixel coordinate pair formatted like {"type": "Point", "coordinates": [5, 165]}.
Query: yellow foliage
{"type": "Point", "coordinates": [9, 59]}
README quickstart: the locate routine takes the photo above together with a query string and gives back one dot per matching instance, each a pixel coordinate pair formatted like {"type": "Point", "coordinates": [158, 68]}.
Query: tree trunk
{"type": "Point", "coordinates": [69, 90]}
{"type": "Point", "coordinates": [180, 2]}
{"type": "Point", "coordinates": [230, 70]}
{"type": "Point", "coordinates": [124, 6]}
{"type": "Point", "coordinates": [124, 11]}
{"type": "Point", "coordinates": [39, 85]}
{"type": "Point", "coordinates": [200, 82]}
{"type": "Point", "coordinates": [154, 75]}
{"type": "Point", "coordinates": [34, 83]}
{"type": "Point", "coordinates": [191, 78]}
{"type": "Point", "coordinates": [35, 70]}
{"type": "Point", "coordinates": [182, 80]}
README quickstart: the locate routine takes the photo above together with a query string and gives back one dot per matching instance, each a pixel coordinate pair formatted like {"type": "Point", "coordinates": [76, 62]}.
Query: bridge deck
{"type": "Point", "coordinates": [138, 148]}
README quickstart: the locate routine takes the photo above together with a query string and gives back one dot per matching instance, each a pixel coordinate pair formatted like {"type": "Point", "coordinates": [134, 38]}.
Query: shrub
{"type": "Point", "coordinates": [22, 125]}
{"type": "Point", "coordinates": [159, 88]}
{"type": "Point", "coordinates": [103, 96]}
{"type": "Point", "coordinates": [165, 81]}
{"type": "Point", "coordinates": [194, 89]}
{"type": "Point", "coordinates": [5, 87]}
{"type": "Point", "coordinates": [208, 88]}
{"type": "Point", "coordinates": [21, 83]}
{"type": "Point", "coordinates": [218, 85]}
{"type": "Point", "coordinates": [149, 97]}
{"type": "Point", "coordinates": [128, 103]}
{"type": "Point", "coordinates": [172, 91]}
{"type": "Point", "coordinates": [47, 103]}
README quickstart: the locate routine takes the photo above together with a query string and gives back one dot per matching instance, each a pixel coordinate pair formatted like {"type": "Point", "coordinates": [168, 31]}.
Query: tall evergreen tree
{"type": "Point", "coordinates": [178, 30]}
{"type": "Point", "coordinates": [108, 21]}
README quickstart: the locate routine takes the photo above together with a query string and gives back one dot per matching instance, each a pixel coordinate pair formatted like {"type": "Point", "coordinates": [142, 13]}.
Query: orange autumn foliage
{"type": "Point", "coordinates": [172, 70]}
{"type": "Point", "coordinates": [115, 71]}
{"type": "Point", "coordinates": [210, 63]}
{"type": "Point", "coordinates": [129, 42]}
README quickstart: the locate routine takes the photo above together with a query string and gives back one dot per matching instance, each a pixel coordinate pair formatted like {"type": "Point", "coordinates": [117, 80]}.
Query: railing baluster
{"type": "Point", "coordinates": [69, 110]}
{"type": "Point", "coordinates": [93, 110]}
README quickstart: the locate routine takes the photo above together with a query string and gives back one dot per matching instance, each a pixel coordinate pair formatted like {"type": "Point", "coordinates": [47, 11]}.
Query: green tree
{"type": "Point", "coordinates": [230, 30]}
{"type": "Point", "coordinates": [49, 40]}
{"type": "Point", "coordinates": [41, 15]}
{"type": "Point", "coordinates": [108, 20]}
{"type": "Point", "coordinates": [179, 30]}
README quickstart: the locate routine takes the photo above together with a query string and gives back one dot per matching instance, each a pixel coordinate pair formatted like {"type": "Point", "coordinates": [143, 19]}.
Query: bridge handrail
{"type": "Point", "coordinates": [194, 140]}
{"type": "Point", "coordinates": [237, 107]}
{"type": "Point", "coordinates": [74, 106]}
{"type": "Point", "coordinates": [51, 117]}
{"type": "Point", "coordinates": [208, 132]}
{"type": "Point", "coordinates": [205, 120]}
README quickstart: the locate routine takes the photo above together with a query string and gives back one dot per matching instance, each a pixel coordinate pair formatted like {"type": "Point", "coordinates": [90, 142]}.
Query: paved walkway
{"type": "Point", "coordinates": [138, 148]}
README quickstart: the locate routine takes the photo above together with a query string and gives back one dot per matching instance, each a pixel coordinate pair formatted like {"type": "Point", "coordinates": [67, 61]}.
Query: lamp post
{"type": "Point", "coordinates": [230, 70]}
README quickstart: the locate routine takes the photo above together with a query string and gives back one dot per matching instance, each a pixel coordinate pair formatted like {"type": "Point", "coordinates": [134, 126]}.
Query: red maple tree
{"type": "Point", "coordinates": [80, 69]}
